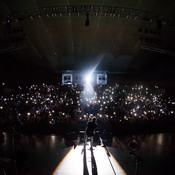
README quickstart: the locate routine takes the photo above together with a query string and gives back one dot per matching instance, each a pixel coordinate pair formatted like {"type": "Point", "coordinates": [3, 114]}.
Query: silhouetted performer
{"type": "Point", "coordinates": [91, 127]}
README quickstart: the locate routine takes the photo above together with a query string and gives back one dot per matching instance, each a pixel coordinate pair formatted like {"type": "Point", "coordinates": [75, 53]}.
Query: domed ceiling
{"type": "Point", "coordinates": [47, 36]}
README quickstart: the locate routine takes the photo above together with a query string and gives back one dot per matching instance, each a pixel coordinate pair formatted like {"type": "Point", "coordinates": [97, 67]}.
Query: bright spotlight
{"type": "Point", "coordinates": [88, 79]}
{"type": "Point", "coordinates": [88, 90]}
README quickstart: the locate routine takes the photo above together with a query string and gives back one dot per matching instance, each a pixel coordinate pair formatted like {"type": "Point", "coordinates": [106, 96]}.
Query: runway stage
{"type": "Point", "coordinates": [87, 160]}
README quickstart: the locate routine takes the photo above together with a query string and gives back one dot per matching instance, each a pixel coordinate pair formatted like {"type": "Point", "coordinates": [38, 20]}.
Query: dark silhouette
{"type": "Point", "coordinates": [91, 127]}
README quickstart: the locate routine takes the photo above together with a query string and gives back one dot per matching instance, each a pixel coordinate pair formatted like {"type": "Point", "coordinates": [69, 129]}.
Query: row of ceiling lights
{"type": "Point", "coordinates": [110, 11]}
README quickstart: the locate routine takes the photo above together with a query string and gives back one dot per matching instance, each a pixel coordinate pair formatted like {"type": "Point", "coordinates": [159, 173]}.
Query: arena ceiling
{"type": "Point", "coordinates": [132, 36]}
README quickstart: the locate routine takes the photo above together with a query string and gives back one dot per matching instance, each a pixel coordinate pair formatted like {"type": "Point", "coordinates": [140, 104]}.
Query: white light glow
{"type": "Point", "coordinates": [88, 79]}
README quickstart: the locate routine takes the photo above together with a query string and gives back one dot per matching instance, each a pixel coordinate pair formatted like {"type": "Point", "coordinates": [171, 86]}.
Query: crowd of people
{"type": "Point", "coordinates": [53, 105]}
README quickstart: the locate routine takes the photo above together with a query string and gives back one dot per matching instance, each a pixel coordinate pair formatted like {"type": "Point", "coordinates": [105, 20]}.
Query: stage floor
{"type": "Point", "coordinates": [87, 160]}
{"type": "Point", "coordinates": [52, 155]}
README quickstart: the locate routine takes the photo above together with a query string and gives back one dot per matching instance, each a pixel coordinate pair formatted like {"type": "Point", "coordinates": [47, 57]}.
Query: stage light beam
{"type": "Point", "coordinates": [88, 79]}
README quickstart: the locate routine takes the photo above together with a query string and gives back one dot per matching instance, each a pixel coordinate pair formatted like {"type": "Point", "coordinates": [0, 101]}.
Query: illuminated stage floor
{"type": "Point", "coordinates": [46, 154]}
{"type": "Point", "coordinates": [85, 160]}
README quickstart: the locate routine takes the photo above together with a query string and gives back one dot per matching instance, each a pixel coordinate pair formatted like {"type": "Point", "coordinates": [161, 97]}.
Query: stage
{"type": "Point", "coordinates": [87, 160]}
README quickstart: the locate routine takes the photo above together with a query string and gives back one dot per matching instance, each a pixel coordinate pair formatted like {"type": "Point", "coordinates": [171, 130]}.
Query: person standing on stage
{"type": "Point", "coordinates": [91, 129]}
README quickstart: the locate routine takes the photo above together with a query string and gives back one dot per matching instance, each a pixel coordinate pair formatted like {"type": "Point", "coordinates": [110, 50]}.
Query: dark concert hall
{"type": "Point", "coordinates": [87, 87]}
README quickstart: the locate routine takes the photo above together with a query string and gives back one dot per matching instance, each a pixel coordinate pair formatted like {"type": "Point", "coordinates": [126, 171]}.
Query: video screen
{"type": "Point", "coordinates": [66, 78]}
{"type": "Point", "coordinates": [102, 79]}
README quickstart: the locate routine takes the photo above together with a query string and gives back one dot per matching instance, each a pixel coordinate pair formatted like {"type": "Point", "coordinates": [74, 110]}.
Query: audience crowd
{"type": "Point", "coordinates": [34, 106]}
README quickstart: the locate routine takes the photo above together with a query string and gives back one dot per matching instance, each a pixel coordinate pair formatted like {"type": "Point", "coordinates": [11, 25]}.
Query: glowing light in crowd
{"type": "Point", "coordinates": [55, 102]}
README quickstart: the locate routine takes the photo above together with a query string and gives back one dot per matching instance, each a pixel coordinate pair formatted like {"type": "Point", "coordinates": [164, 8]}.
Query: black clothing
{"type": "Point", "coordinates": [90, 130]}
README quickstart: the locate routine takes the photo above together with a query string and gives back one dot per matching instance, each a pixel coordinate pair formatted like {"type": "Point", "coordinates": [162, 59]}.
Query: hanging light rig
{"type": "Point", "coordinates": [87, 19]}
